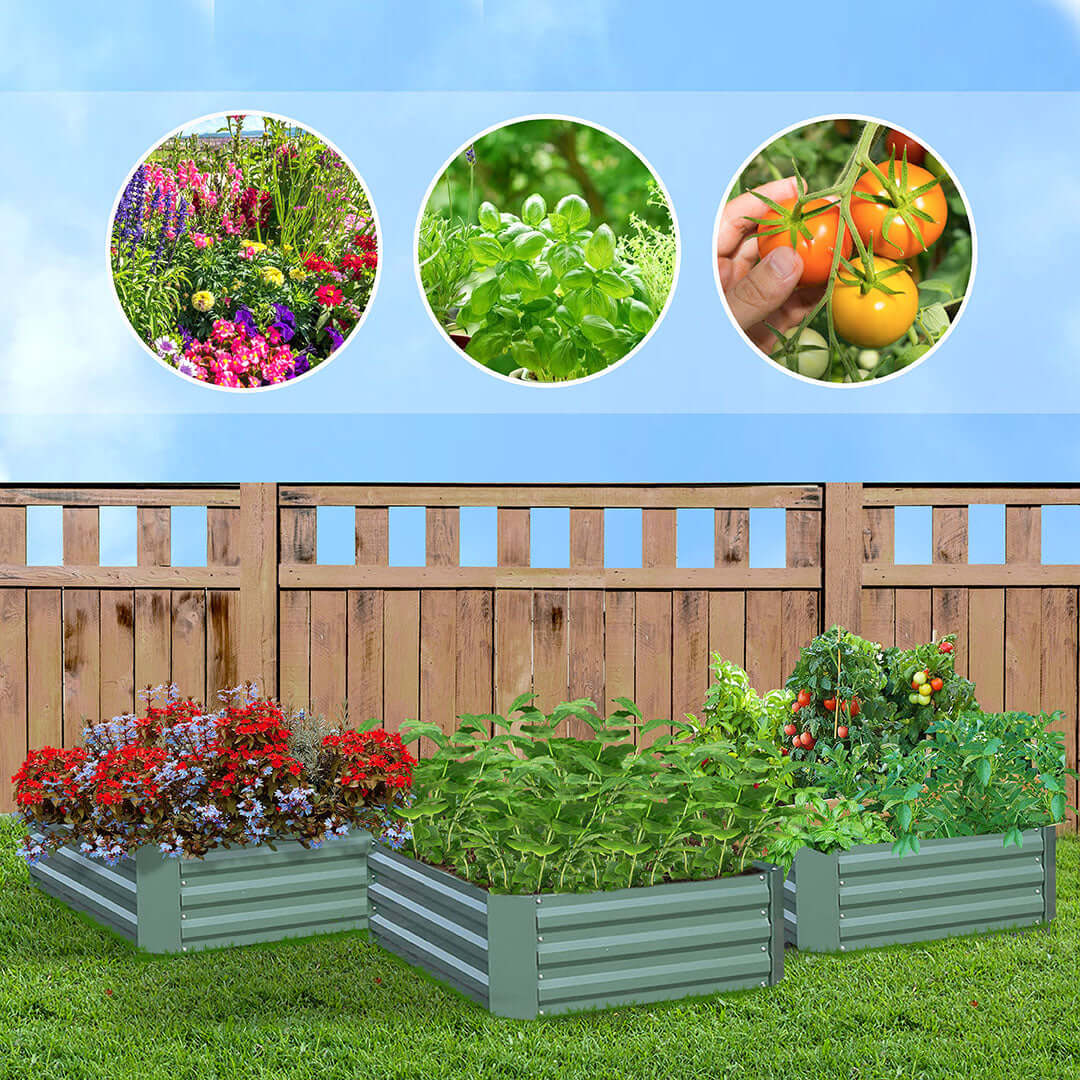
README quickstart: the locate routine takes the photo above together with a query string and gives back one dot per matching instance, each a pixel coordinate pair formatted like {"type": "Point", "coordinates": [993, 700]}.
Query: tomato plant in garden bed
{"type": "Point", "coordinates": [189, 780]}
{"type": "Point", "coordinates": [244, 260]}
{"type": "Point", "coordinates": [545, 290]}
{"type": "Point", "coordinates": [526, 809]}
{"type": "Point", "coordinates": [885, 242]}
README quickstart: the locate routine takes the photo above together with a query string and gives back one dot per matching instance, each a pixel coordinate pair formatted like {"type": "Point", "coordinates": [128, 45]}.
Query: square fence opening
{"type": "Point", "coordinates": [407, 542]}
{"type": "Point", "coordinates": [188, 536]}
{"type": "Point", "coordinates": [768, 537]}
{"type": "Point", "coordinates": [986, 533]}
{"type": "Point", "coordinates": [44, 535]}
{"type": "Point", "coordinates": [622, 538]}
{"type": "Point", "coordinates": [913, 535]}
{"type": "Point", "coordinates": [1060, 534]}
{"type": "Point", "coordinates": [695, 542]}
{"type": "Point", "coordinates": [335, 535]}
{"type": "Point", "coordinates": [549, 536]}
{"type": "Point", "coordinates": [478, 532]}
{"type": "Point", "coordinates": [118, 536]}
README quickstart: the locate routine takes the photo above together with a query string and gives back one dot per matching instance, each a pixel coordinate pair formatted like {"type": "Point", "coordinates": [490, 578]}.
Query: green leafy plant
{"type": "Point", "coordinates": [839, 684]}
{"type": "Point", "coordinates": [923, 686]}
{"type": "Point", "coordinates": [550, 298]}
{"type": "Point", "coordinates": [654, 251]}
{"type": "Point", "coordinates": [975, 773]}
{"type": "Point", "coordinates": [828, 825]}
{"type": "Point", "coordinates": [445, 263]}
{"type": "Point", "coordinates": [526, 809]}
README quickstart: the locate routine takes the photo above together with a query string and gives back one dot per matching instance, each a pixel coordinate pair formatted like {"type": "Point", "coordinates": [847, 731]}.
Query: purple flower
{"type": "Point", "coordinates": [285, 331]}
{"type": "Point", "coordinates": [284, 315]}
{"type": "Point", "coordinates": [336, 340]}
{"type": "Point", "coordinates": [244, 318]}
{"type": "Point", "coordinates": [301, 362]}
{"type": "Point", "coordinates": [470, 154]}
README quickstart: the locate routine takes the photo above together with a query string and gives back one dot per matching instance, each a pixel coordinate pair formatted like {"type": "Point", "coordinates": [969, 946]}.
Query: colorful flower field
{"type": "Point", "coordinates": [244, 258]}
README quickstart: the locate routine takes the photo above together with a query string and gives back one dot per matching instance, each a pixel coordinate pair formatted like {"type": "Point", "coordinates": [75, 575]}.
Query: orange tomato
{"type": "Point", "coordinates": [815, 249]}
{"type": "Point", "coordinates": [878, 209]}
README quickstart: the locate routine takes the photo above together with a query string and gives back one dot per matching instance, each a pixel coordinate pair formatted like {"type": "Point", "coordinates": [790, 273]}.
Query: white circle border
{"type": "Point", "coordinates": [563, 384]}
{"type": "Point", "coordinates": [248, 390]}
{"type": "Point", "coordinates": [859, 117]}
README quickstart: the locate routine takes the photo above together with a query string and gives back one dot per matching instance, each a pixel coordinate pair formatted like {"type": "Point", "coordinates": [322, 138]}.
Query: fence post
{"type": "Point", "coordinates": [259, 586]}
{"type": "Point", "coordinates": [843, 555]}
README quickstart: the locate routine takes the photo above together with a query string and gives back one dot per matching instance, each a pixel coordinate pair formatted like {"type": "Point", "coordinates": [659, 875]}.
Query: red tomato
{"type": "Point", "coordinates": [789, 228]}
{"type": "Point", "coordinates": [936, 684]}
{"type": "Point", "coordinates": [854, 707]}
{"type": "Point", "coordinates": [945, 647]}
{"type": "Point", "coordinates": [804, 697]}
{"type": "Point", "coordinates": [790, 729]}
{"type": "Point", "coordinates": [795, 706]}
{"type": "Point", "coordinates": [896, 142]}
{"type": "Point", "coordinates": [783, 751]}
{"type": "Point", "coordinates": [842, 731]}
{"type": "Point", "coordinates": [830, 704]}
{"type": "Point", "coordinates": [878, 208]}
{"type": "Point", "coordinates": [807, 741]}
{"type": "Point", "coordinates": [796, 741]}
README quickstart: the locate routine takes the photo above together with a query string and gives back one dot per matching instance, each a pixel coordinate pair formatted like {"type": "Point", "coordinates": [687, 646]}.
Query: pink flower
{"type": "Point", "coordinates": [329, 295]}
{"type": "Point", "coordinates": [201, 240]}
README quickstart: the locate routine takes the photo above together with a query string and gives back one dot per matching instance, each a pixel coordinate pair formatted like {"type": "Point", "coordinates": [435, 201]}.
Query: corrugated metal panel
{"type": "Point", "coordinates": [953, 886]}
{"type": "Point", "coordinates": [431, 919]}
{"type": "Point", "coordinates": [650, 944]}
{"type": "Point", "coordinates": [237, 896]}
{"type": "Point", "coordinates": [106, 893]}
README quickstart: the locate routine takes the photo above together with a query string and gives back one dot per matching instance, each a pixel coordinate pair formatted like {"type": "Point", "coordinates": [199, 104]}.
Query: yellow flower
{"type": "Point", "coordinates": [202, 300]}
{"type": "Point", "coordinates": [272, 275]}
{"type": "Point", "coordinates": [236, 283]}
{"type": "Point", "coordinates": [297, 274]}
{"type": "Point", "coordinates": [286, 248]}
{"type": "Point", "coordinates": [254, 245]}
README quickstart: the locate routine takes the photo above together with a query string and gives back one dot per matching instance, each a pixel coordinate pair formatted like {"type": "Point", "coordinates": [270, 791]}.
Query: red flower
{"type": "Point", "coordinates": [329, 295]}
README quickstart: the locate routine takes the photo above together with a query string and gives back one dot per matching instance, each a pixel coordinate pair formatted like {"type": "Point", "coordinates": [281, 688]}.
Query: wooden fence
{"type": "Point", "coordinates": [78, 640]}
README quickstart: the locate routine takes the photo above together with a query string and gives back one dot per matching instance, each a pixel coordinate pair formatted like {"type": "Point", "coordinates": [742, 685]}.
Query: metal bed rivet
{"type": "Point", "coordinates": [541, 975]}
{"type": "Point", "coordinates": [538, 899]}
{"type": "Point", "coordinates": [541, 1012]}
{"type": "Point", "coordinates": [764, 911]}
{"type": "Point", "coordinates": [539, 939]}
{"type": "Point", "coordinates": [764, 948]}
{"type": "Point", "coordinates": [841, 914]}
{"type": "Point", "coordinates": [841, 883]}
{"type": "Point", "coordinates": [183, 916]}
{"type": "Point", "coordinates": [761, 877]}
{"type": "Point", "coordinates": [1037, 891]}
{"type": "Point", "coordinates": [843, 948]}
{"type": "Point", "coordinates": [182, 882]}
{"type": "Point", "coordinates": [184, 949]}
{"type": "Point", "coordinates": [763, 983]}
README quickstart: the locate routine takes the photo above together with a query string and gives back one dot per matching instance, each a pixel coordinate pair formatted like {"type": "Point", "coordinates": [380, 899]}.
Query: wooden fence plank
{"type": "Point", "coordinates": [764, 659]}
{"type": "Point", "coordinates": [475, 650]}
{"type": "Point", "coordinates": [803, 535]}
{"type": "Point", "coordinates": [731, 538]}
{"type": "Point", "coordinates": [401, 657]}
{"type": "Point", "coordinates": [652, 657]}
{"type": "Point", "coordinates": [844, 547]}
{"type": "Point", "coordinates": [118, 653]}
{"type": "Point", "coordinates": [222, 640]}
{"type": "Point", "coordinates": [82, 545]}
{"type": "Point", "coordinates": [1023, 647]}
{"type": "Point", "coordinates": [879, 534]}
{"type": "Point", "coordinates": [986, 647]}
{"type": "Point", "coordinates": [1059, 672]}
{"type": "Point", "coordinates": [586, 616]}
{"type": "Point", "coordinates": [879, 615]}
{"type": "Point", "coordinates": [258, 629]}
{"type": "Point", "coordinates": [13, 535]}
{"type": "Point", "coordinates": [119, 495]}
{"type": "Point", "coordinates": [222, 536]}
{"type": "Point", "coordinates": [298, 540]}
{"type": "Point", "coordinates": [949, 607]}
{"type": "Point", "coordinates": [800, 624]}
{"type": "Point", "coordinates": [550, 648]}
{"type": "Point", "coordinates": [513, 613]}
{"type": "Point", "coordinates": [45, 667]}
{"type": "Point", "coordinates": [372, 535]}
{"type": "Point", "coordinates": [153, 638]}
{"type": "Point", "coordinates": [153, 535]}
{"type": "Point", "coordinates": [619, 646]}
{"type": "Point", "coordinates": [947, 495]}
{"type": "Point", "coordinates": [14, 729]}
{"type": "Point", "coordinates": [689, 652]}
{"type": "Point", "coordinates": [189, 642]}
{"type": "Point", "coordinates": [364, 679]}
{"type": "Point", "coordinates": [1023, 534]}
{"type": "Point", "coordinates": [82, 662]}
{"type": "Point", "coordinates": [913, 617]}
{"type": "Point", "coordinates": [295, 652]}
{"type": "Point", "coordinates": [438, 660]}
{"type": "Point", "coordinates": [727, 626]}
{"type": "Point", "coordinates": [329, 638]}
{"type": "Point", "coordinates": [443, 535]}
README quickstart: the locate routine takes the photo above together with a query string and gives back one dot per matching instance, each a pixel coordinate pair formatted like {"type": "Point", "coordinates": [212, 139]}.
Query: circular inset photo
{"type": "Point", "coordinates": [845, 250]}
{"type": "Point", "coordinates": [244, 251]}
{"type": "Point", "coordinates": [547, 250]}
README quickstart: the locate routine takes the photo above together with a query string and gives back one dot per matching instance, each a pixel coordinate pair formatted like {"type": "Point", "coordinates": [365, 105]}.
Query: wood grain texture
{"type": "Point", "coordinates": [295, 652]}
{"type": "Point", "coordinates": [364, 678]}
{"type": "Point", "coordinates": [82, 663]}
{"type": "Point", "coordinates": [223, 536]}
{"type": "Point", "coordinates": [438, 661]}
{"type": "Point", "coordinates": [474, 659]}
{"type": "Point", "coordinates": [117, 608]}
{"type": "Point", "coordinates": [119, 495]}
{"type": "Point", "coordinates": [1059, 673]}
{"type": "Point", "coordinates": [986, 647]}
{"type": "Point", "coordinates": [298, 540]}
{"type": "Point", "coordinates": [120, 577]}
{"type": "Point", "coordinates": [372, 535]}
{"type": "Point", "coordinates": [800, 624]}
{"type": "Point", "coordinates": [550, 648]}
{"type": "Point", "coordinates": [658, 541]}
{"type": "Point", "coordinates": [513, 647]}
{"type": "Point", "coordinates": [45, 666]}
{"type": "Point", "coordinates": [1023, 534]}
{"type": "Point", "coordinates": [689, 652]}
{"type": "Point", "coordinates": [727, 626]}
{"type": "Point", "coordinates": [844, 547]}
{"type": "Point", "coordinates": [13, 535]}
{"type": "Point", "coordinates": [879, 616]}
{"type": "Point", "coordinates": [401, 657]}
{"type": "Point", "coordinates": [222, 644]}
{"type": "Point", "coordinates": [14, 727]}
{"type": "Point", "coordinates": [329, 636]}
{"type": "Point", "coordinates": [879, 534]}
{"type": "Point", "coordinates": [258, 629]}
{"type": "Point", "coordinates": [1023, 649]}
{"type": "Point", "coordinates": [153, 638]}
{"type": "Point", "coordinates": [82, 543]}
{"type": "Point", "coordinates": [652, 657]}
{"type": "Point", "coordinates": [188, 642]}
{"type": "Point", "coordinates": [619, 648]}
{"type": "Point", "coordinates": [803, 536]}
{"type": "Point", "coordinates": [989, 494]}
{"type": "Point", "coordinates": [586, 617]}
{"type": "Point", "coordinates": [764, 655]}
{"type": "Point", "coordinates": [443, 535]}
{"type": "Point", "coordinates": [731, 538]}
{"type": "Point", "coordinates": [913, 617]}
{"type": "Point", "coordinates": [153, 535]}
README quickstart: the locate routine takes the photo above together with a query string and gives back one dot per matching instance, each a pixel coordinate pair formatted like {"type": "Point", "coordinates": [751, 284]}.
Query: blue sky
{"type": "Point", "coordinates": [689, 85]}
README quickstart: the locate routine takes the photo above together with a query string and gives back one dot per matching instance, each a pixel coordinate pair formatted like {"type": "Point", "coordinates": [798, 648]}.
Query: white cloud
{"type": "Point", "coordinates": [1070, 8]}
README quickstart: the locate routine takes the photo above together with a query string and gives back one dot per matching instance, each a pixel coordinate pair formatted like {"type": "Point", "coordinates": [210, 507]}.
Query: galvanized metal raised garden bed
{"type": "Point", "coordinates": [527, 956]}
{"type": "Point", "coordinates": [868, 896]}
{"type": "Point", "coordinates": [233, 896]}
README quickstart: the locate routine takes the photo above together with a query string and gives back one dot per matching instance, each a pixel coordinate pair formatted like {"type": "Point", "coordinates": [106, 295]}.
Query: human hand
{"type": "Point", "coordinates": [759, 290]}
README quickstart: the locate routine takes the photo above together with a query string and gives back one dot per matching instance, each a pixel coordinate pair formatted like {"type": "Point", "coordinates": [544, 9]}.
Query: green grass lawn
{"type": "Point", "coordinates": [77, 1002]}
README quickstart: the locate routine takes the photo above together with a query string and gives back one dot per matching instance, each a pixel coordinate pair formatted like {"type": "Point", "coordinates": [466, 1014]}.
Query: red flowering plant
{"type": "Point", "coordinates": [189, 780]}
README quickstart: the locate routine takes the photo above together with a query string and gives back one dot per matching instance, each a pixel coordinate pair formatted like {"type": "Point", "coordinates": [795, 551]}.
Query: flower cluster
{"type": "Point", "coordinates": [188, 780]}
{"type": "Point", "coordinates": [211, 234]}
